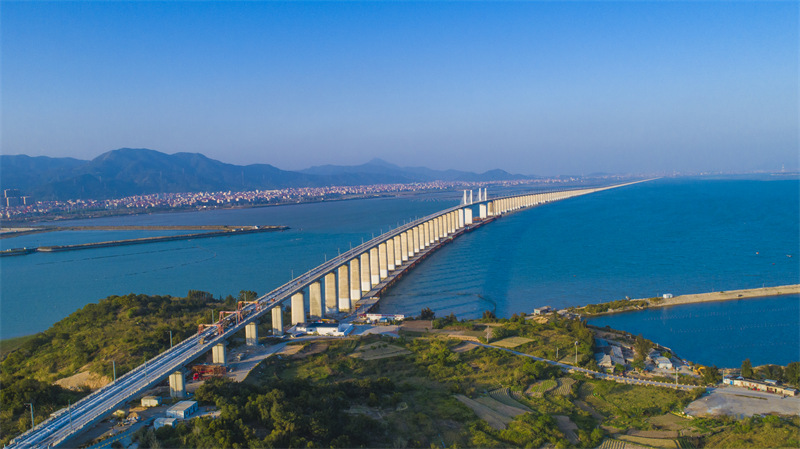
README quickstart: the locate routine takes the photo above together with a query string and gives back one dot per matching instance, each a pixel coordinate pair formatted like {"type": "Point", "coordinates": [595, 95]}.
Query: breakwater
{"type": "Point", "coordinates": [656, 302]}
{"type": "Point", "coordinates": [226, 231]}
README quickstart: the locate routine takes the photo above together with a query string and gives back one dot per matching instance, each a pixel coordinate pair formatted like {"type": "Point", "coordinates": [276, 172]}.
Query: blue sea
{"type": "Point", "coordinates": [677, 235]}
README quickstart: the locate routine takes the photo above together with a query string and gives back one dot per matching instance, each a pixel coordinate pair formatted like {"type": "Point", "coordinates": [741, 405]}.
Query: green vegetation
{"type": "Point", "coordinates": [123, 329]}
{"type": "Point", "coordinates": [747, 369]}
{"type": "Point", "coordinates": [761, 432]}
{"type": "Point", "coordinates": [621, 304]}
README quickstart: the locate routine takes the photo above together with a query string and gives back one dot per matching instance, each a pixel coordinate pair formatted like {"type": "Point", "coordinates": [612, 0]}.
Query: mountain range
{"type": "Point", "coordinates": [129, 171]}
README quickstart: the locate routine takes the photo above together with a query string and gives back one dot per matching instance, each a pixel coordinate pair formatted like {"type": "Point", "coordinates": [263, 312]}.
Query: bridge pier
{"type": "Point", "coordinates": [405, 252]}
{"type": "Point", "coordinates": [364, 266]}
{"type": "Point", "coordinates": [315, 309]}
{"type": "Point", "coordinates": [390, 255]}
{"type": "Point", "coordinates": [219, 354]}
{"type": "Point", "coordinates": [468, 215]}
{"type": "Point", "coordinates": [344, 288]}
{"type": "Point", "coordinates": [277, 321]}
{"type": "Point", "coordinates": [355, 282]}
{"type": "Point", "coordinates": [461, 218]}
{"type": "Point", "coordinates": [482, 211]}
{"type": "Point", "coordinates": [330, 293]}
{"type": "Point", "coordinates": [437, 229]}
{"type": "Point", "coordinates": [251, 334]}
{"type": "Point", "coordinates": [383, 262]}
{"type": "Point", "coordinates": [177, 385]}
{"type": "Point", "coordinates": [298, 308]}
{"type": "Point", "coordinates": [415, 237]}
{"type": "Point", "coordinates": [374, 268]}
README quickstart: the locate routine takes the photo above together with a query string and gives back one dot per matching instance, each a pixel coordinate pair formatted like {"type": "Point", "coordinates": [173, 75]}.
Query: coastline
{"type": "Point", "coordinates": [725, 295]}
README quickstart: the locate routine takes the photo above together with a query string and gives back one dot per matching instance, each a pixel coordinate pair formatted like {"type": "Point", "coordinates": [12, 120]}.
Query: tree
{"type": "Point", "coordinates": [792, 373]}
{"type": "Point", "coordinates": [747, 369]}
{"type": "Point", "coordinates": [711, 375]}
{"type": "Point", "coordinates": [427, 314]}
{"type": "Point", "coordinates": [488, 315]}
{"type": "Point", "coordinates": [642, 347]}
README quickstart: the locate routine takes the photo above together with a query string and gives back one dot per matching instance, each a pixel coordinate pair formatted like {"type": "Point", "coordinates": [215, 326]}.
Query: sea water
{"type": "Point", "coordinates": [683, 235]}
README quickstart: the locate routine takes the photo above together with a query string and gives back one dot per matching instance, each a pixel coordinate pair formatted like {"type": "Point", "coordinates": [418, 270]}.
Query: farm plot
{"type": "Point", "coordinates": [541, 387]}
{"type": "Point", "coordinates": [564, 386]}
{"type": "Point", "coordinates": [494, 412]}
{"type": "Point", "coordinates": [378, 350]}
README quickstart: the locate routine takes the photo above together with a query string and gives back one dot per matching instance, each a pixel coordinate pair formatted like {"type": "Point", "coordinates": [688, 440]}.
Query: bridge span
{"type": "Point", "coordinates": [335, 287]}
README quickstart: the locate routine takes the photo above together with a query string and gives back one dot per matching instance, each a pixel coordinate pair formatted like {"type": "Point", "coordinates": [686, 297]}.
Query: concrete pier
{"type": "Point", "coordinates": [251, 334]}
{"type": "Point", "coordinates": [405, 252]}
{"type": "Point", "coordinates": [298, 308]}
{"type": "Point", "coordinates": [398, 250]}
{"type": "Point", "coordinates": [383, 262]}
{"type": "Point", "coordinates": [366, 285]}
{"type": "Point", "coordinates": [467, 215]}
{"type": "Point", "coordinates": [390, 254]}
{"type": "Point", "coordinates": [219, 354]}
{"type": "Point", "coordinates": [461, 218]}
{"type": "Point", "coordinates": [177, 385]}
{"type": "Point", "coordinates": [344, 288]}
{"type": "Point", "coordinates": [355, 281]}
{"type": "Point", "coordinates": [277, 321]}
{"type": "Point", "coordinates": [374, 267]}
{"type": "Point", "coordinates": [331, 301]}
{"type": "Point", "coordinates": [315, 309]}
{"type": "Point", "coordinates": [483, 211]}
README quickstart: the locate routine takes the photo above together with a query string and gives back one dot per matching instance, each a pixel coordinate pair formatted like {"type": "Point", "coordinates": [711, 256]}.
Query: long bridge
{"type": "Point", "coordinates": [346, 278]}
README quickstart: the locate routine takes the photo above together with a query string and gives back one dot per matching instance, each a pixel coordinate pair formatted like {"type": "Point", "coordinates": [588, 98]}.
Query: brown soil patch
{"type": "Point", "coordinates": [313, 348]}
{"type": "Point", "coordinates": [417, 325]}
{"type": "Point", "coordinates": [84, 378]}
{"type": "Point", "coordinates": [511, 342]}
{"type": "Point", "coordinates": [290, 350]}
{"type": "Point", "coordinates": [378, 350]}
{"type": "Point", "coordinates": [464, 347]}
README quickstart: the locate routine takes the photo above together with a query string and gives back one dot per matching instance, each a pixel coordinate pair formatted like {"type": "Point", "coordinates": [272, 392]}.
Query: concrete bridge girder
{"type": "Point", "coordinates": [219, 354]}
{"type": "Point", "coordinates": [277, 321]}
{"type": "Point", "coordinates": [315, 309]}
{"type": "Point", "coordinates": [355, 282]}
{"type": "Point", "coordinates": [398, 248]}
{"type": "Point", "coordinates": [298, 308]}
{"type": "Point", "coordinates": [251, 333]}
{"type": "Point", "coordinates": [177, 385]}
{"type": "Point", "coordinates": [331, 301]}
{"type": "Point", "coordinates": [374, 268]}
{"type": "Point", "coordinates": [366, 285]}
{"type": "Point", "coordinates": [343, 273]}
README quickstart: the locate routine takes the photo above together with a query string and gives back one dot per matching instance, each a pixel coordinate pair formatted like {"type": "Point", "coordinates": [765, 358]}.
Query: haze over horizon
{"type": "Point", "coordinates": [543, 88]}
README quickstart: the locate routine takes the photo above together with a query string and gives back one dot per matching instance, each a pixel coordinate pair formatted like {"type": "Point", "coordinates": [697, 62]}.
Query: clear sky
{"type": "Point", "coordinates": [530, 87]}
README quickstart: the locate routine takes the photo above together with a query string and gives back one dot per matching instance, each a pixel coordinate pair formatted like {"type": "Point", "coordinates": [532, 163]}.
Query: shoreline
{"type": "Point", "coordinates": [696, 298]}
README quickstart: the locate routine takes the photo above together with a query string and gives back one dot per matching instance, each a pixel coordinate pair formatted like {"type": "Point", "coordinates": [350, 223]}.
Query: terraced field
{"type": "Point", "coordinates": [541, 387]}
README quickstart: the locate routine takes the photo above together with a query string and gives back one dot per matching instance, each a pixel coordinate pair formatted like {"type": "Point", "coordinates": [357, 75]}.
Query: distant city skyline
{"type": "Point", "coordinates": [536, 88]}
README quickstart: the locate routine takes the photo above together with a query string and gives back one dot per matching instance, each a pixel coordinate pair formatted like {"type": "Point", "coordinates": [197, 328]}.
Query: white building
{"type": "Point", "coordinates": [151, 401]}
{"type": "Point", "coordinates": [161, 422]}
{"type": "Point", "coordinates": [182, 410]}
{"type": "Point", "coordinates": [663, 363]}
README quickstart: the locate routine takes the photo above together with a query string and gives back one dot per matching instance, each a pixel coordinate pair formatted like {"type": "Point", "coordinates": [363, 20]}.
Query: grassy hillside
{"type": "Point", "coordinates": [124, 329]}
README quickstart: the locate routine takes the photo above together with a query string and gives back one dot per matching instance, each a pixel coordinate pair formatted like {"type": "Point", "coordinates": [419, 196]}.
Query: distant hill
{"type": "Point", "coordinates": [129, 171]}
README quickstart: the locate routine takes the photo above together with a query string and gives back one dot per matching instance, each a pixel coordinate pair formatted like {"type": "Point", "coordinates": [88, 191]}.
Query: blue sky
{"type": "Point", "coordinates": [530, 87]}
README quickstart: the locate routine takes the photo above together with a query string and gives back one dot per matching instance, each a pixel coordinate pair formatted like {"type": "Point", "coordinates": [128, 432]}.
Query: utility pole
{"type": "Point", "coordinates": [31, 404]}
{"type": "Point", "coordinates": [556, 353]}
{"type": "Point", "coordinates": [576, 352]}
{"type": "Point", "coordinates": [170, 339]}
{"type": "Point", "coordinates": [69, 408]}
{"type": "Point", "coordinates": [114, 367]}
